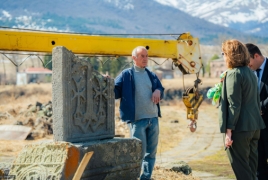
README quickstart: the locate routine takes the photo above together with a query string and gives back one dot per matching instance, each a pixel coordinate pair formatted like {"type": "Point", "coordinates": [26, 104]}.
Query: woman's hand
{"type": "Point", "coordinates": [228, 138]}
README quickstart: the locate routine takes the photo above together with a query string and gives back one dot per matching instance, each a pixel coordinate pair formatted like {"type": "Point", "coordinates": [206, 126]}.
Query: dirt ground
{"type": "Point", "coordinates": [176, 142]}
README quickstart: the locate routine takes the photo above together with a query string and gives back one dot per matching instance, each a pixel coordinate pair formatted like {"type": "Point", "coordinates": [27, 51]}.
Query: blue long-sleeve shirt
{"type": "Point", "coordinates": [125, 89]}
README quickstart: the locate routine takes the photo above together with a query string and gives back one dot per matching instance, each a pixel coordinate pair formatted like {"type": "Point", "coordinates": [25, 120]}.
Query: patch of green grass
{"type": "Point", "coordinates": [217, 164]}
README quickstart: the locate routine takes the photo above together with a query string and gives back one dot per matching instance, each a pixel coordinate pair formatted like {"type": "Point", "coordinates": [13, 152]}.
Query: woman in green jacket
{"type": "Point", "coordinates": [239, 115]}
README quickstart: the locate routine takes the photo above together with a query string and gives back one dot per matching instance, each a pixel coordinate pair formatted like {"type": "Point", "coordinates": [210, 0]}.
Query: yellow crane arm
{"type": "Point", "coordinates": [184, 51]}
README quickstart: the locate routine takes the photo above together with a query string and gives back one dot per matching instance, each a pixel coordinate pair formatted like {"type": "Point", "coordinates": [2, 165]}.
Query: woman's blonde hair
{"type": "Point", "coordinates": [236, 53]}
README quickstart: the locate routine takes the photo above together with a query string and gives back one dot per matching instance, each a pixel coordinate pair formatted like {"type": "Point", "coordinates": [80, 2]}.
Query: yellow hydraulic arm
{"type": "Point", "coordinates": [184, 51]}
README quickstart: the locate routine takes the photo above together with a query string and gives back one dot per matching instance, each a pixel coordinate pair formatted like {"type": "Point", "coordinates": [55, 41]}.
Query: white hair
{"type": "Point", "coordinates": [134, 52]}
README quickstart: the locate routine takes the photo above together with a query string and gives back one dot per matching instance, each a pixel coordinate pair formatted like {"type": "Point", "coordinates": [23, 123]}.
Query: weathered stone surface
{"type": "Point", "coordinates": [118, 158]}
{"type": "Point", "coordinates": [46, 161]}
{"type": "Point", "coordinates": [180, 167]}
{"type": "Point", "coordinates": [112, 159]}
{"type": "Point", "coordinates": [83, 100]}
{"type": "Point", "coordinates": [14, 132]}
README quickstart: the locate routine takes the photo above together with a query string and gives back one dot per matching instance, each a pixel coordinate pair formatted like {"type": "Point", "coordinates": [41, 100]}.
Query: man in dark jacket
{"type": "Point", "coordinates": [259, 64]}
{"type": "Point", "coordinates": [140, 92]}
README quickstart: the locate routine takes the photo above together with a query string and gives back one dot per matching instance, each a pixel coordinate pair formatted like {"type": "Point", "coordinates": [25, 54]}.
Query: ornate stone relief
{"type": "Point", "coordinates": [42, 162]}
{"type": "Point", "coordinates": [90, 95]}
{"type": "Point", "coordinates": [84, 99]}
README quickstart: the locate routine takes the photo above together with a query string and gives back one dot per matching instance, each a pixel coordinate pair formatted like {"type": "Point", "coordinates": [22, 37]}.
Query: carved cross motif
{"type": "Point", "coordinates": [79, 116]}
{"type": "Point", "coordinates": [99, 98]}
{"type": "Point", "coordinates": [87, 119]}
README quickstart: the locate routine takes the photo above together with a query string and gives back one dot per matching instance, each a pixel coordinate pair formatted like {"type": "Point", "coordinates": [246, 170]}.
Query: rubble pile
{"type": "Point", "coordinates": [40, 119]}
{"type": "Point", "coordinates": [38, 116]}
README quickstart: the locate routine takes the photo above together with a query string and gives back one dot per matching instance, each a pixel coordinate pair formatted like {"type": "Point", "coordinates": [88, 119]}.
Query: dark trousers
{"type": "Point", "coordinates": [243, 154]}
{"type": "Point", "coordinates": [263, 155]}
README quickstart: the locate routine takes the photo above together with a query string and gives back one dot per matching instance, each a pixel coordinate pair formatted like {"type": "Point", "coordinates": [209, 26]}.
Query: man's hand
{"type": "Point", "coordinates": [156, 96]}
{"type": "Point", "coordinates": [106, 75]}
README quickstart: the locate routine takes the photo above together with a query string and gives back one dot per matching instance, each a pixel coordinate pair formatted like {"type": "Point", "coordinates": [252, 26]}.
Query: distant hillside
{"type": "Point", "coordinates": [112, 17]}
{"type": "Point", "coordinates": [248, 16]}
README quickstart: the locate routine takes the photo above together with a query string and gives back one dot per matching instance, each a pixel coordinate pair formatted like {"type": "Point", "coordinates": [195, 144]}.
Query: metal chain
{"type": "Point", "coordinates": [103, 62]}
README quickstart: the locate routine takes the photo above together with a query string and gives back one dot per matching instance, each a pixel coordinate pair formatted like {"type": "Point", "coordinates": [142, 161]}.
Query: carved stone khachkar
{"type": "Point", "coordinates": [83, 100]}
{"type": "Point", "coordinates": [83, 118]}
{"type": "Point", "coordinates": [46, 161]}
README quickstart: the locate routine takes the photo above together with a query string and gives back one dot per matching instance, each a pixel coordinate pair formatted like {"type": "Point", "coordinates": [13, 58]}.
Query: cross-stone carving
{"type": "Point", "coordinates": [88, 100]}
{"type": "Point", "coordinates": [83, 113]}
{"type": "Point", "coordinates": [45, 162]}
{"type": "Point", "coordinates": [90, 120]}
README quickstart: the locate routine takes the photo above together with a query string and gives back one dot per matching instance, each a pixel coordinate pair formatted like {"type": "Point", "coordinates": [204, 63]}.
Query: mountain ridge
{"type": "Point", "coordinates": [112, 17]}
{"type": "Point", "coordinates": [248, 16]}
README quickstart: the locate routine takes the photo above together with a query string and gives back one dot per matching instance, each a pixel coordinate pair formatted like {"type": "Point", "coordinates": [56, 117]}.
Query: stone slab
{"type": "Point", "coordinates": [83, 100]}
{"type": "Point", "coordinates": [118, 158]}
{"type": "Point", "coordinates": [112, 159]}
{"type": "Point", "coordinates": [46, 161]}
{"type": "Point", "coordinates": [14, 132]}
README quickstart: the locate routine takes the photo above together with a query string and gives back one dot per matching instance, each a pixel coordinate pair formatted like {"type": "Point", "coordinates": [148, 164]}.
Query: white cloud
{"type": "Point", "coordinates": [27, 20]}
{"type": "Point", "coordinates": [255, 30]}
{"type": "Point", "coordinates": [168, 2]}
{"type": "Point", "coordinates": [6, 15]}
{"type": "Point", "coordinates": [122, 4]}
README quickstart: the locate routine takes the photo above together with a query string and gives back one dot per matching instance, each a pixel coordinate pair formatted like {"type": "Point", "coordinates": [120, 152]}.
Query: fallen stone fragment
{"type": "Point", "coordinates": [181, 166]}
{"type": "Point", "coordinates": [14, 132]}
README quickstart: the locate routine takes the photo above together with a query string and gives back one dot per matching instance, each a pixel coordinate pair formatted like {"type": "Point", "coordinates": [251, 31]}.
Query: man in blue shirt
{"type": "Point", "coordinates": [140, 92]}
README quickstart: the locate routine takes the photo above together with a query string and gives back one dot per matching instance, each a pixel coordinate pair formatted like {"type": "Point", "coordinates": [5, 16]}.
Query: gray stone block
{"type": "Point", "coordinates": [112, 159]}
{"type": "Point", "coordinates": [83, 100]}
{"type": "Point", "coordinates": [118, 158]}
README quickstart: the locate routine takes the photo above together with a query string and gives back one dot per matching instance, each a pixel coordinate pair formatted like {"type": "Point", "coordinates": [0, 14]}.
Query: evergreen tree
{"type": "Point", "coordinates": [48, 61]}
{"type": "Point", "coordinates": [95, 62]}
{"type": "Point", "coordinates": [113, 66]}
{"type": "Point", "coordinates": [214, 57]}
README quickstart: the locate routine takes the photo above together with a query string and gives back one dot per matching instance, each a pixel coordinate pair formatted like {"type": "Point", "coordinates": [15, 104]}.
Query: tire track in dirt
{"type": "Point", "coordinates": [207, 140]}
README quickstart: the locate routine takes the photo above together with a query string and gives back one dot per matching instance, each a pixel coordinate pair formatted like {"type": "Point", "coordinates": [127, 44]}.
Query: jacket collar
{"type": "Point", "coordinates": [265, 73]}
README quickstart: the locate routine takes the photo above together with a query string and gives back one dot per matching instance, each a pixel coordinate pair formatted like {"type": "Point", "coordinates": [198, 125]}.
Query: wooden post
{"type": "Point", "coordinates": [82, 165]}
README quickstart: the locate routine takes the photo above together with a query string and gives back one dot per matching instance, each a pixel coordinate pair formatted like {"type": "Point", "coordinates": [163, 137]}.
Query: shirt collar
{"type": "Point", "coordinates": [138, 69]}
{"type": "Point", "coordinates": [263, 64]}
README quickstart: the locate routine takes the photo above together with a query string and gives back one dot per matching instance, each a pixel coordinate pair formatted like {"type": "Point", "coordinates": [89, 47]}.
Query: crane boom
{"type": "Point", "coordinates": [184, 51]}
